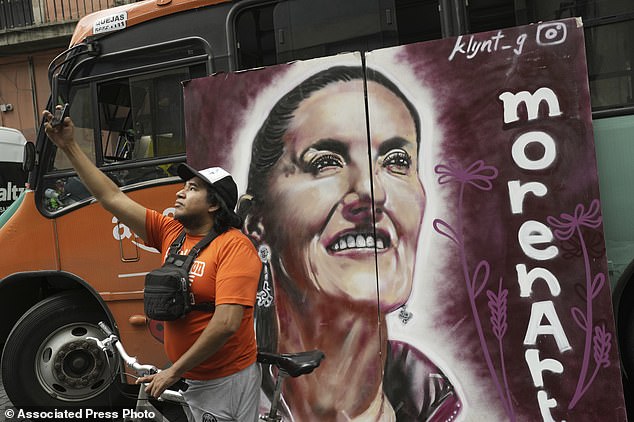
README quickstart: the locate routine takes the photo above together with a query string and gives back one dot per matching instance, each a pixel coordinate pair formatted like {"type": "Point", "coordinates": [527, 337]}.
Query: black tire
{"type": "Point", "coordinates": [47, 360]}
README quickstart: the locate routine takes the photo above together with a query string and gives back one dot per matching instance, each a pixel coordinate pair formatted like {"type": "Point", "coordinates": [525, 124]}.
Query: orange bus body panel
{"type": "Point", "coordinates": [29, 239]}
{"type": "Point", "coordinates": [137, 13]}
{"type": "Point", "coordinates": [93, 246]}
{"type": "Point", "coordinates": [89, 244]}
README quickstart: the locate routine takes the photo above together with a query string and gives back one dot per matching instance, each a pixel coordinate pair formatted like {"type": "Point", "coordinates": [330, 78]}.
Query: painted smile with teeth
{"type": "Point", "coordinates": [351, 241]}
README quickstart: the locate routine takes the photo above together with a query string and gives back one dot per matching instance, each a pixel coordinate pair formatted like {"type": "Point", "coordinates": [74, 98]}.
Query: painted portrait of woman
{"type": "Point", "coordinates": [326, 221]}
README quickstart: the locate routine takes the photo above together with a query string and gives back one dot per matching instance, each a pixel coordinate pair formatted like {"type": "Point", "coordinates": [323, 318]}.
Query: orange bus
{"type": "Point", "coordinates": [122, 78]}
{"type": "Point", "coordinates": [68, 263]}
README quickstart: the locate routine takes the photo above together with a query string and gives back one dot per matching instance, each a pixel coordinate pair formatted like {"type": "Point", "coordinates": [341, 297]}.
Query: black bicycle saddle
{"type": "Point", "coordinates": [294, 364]}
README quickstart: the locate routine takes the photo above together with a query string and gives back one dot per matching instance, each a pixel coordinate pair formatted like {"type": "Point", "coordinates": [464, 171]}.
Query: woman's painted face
{"type": "Point", "coordinates": [319, 204]}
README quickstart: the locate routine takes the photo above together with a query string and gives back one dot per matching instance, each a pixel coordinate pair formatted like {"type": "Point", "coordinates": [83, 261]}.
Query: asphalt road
{"type": "Point", "coordinates": [4, 403]}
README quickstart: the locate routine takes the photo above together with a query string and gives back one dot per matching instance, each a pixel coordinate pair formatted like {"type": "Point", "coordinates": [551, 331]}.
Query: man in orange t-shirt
{"type": "Point", "coordinates": [215, 352]}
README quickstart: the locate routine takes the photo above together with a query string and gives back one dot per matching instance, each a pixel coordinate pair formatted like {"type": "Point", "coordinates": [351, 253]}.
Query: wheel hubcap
{"type": "Point", "coordinates": [78, 363]}
{"type": "Point", "coordinates": [72, 368]}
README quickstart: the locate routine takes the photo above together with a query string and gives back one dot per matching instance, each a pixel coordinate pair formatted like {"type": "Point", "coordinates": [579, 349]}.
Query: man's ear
{"type": "Point", "coordinates": [213, 208]}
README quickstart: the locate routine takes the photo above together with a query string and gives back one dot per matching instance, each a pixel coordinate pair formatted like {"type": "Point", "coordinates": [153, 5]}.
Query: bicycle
{"type": "Point", "coordinates": [287, 364]}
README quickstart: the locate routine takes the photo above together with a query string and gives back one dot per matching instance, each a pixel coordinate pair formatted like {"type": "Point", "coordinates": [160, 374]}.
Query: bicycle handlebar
{"type": "Point", "coordinates": [131, 361]}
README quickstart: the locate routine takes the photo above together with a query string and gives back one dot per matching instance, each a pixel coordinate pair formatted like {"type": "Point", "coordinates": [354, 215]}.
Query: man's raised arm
{"type": "Point", "coordinates": [130, 213]}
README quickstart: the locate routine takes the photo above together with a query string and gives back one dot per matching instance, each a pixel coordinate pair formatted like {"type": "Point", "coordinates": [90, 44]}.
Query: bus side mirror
{"type": "Point", "coordinates": [28, 161]}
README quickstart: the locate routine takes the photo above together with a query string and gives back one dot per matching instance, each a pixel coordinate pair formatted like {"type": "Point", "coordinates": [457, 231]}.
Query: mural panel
{"type": "Point", "coordinates": [429, 217]}
{"type": "Point", "coordinates": [295, 138]}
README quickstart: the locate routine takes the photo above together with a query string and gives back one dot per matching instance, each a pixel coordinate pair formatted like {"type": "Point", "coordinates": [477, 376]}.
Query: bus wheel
{"type": "Point", "coordinates": [49, 361]}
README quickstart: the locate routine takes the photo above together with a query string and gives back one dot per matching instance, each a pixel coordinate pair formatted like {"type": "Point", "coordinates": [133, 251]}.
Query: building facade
{"type": "Point", "coordinates": [32, 33]}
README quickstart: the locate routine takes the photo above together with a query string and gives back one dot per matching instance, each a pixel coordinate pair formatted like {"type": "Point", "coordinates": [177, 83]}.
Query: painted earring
{"type": "Point", "coordinates": [404, 315]}
{"type": "Point", "coordinates": [265, 290]}
{"type": "Point", "coordinates": [265, 314]}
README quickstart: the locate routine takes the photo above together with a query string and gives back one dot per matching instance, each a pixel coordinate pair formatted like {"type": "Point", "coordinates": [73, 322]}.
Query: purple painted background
{"type": "Point", "coordinates": [465, 313]}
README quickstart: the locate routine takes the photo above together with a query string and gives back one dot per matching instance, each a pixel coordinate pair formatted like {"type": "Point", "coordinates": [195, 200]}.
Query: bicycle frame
{"type": "Point", "coordinates": [291, 364]}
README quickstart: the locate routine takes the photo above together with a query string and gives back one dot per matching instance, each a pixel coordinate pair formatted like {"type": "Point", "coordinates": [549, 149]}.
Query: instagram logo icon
{"type": "Point", "coordinates": [551, 33]}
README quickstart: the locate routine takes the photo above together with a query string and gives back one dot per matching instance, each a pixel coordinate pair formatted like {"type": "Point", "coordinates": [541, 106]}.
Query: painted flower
{"type": "Point", "coordinates": [567, 224]}
{"type": "Point", "coordinates": [477, 174]}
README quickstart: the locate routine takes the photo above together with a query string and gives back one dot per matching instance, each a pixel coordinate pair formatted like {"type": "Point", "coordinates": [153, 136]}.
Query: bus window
{"type": "Point", "coordinates": [141, 120]}
{"type": "Point", "coordinates": [488, 15]}
{"type": "Point", "coordinates": [417, 20]}
{"type": "Point", "coordinates": [255, 37]}
{"type": "Point", "coordinates": [61, 188]}
{"type": "Point", "coordinates": [537, 10]}
{"type": "Point", "coordinates": [278, 32]}
{"type": "Point", "coordinates": [610, 64]}
{"type": "Point", "coordinates": [142, 117]}
{"type": "Point", "coordinates": [305, 29]}
{"type": "Point", "coordinates": [119, 103]}
{"type": "Point", "coordinates": [615, 149]}
{"type": "Point", "coordinates": [81, 111]}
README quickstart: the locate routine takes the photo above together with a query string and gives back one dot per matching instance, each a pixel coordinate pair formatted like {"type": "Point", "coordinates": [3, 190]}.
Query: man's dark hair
{"type": "Point", "coordinates": [223, 217]}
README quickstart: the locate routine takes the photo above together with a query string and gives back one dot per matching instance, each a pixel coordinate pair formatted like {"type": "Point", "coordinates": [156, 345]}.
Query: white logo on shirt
{"type": "Point", "coordinates": [197, 269]}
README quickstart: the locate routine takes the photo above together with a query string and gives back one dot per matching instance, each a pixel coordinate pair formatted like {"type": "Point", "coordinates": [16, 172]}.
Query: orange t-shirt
{"type": "Point", "coordinates": [225, 272]}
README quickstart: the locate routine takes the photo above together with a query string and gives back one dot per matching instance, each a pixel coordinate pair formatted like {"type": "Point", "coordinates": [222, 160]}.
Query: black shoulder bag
{"type": "Point", "coordinates": [167, 295]}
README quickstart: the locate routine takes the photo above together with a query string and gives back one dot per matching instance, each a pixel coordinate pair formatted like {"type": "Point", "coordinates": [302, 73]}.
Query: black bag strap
{"type": "Point", "coordinates": [176, 259]}
{"type": "Point", "coordinates": [178, 242]}
{"type": "Point", "coordinates": [173, 256]}
{"type": "Point", "coordinates": [202, 244]}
